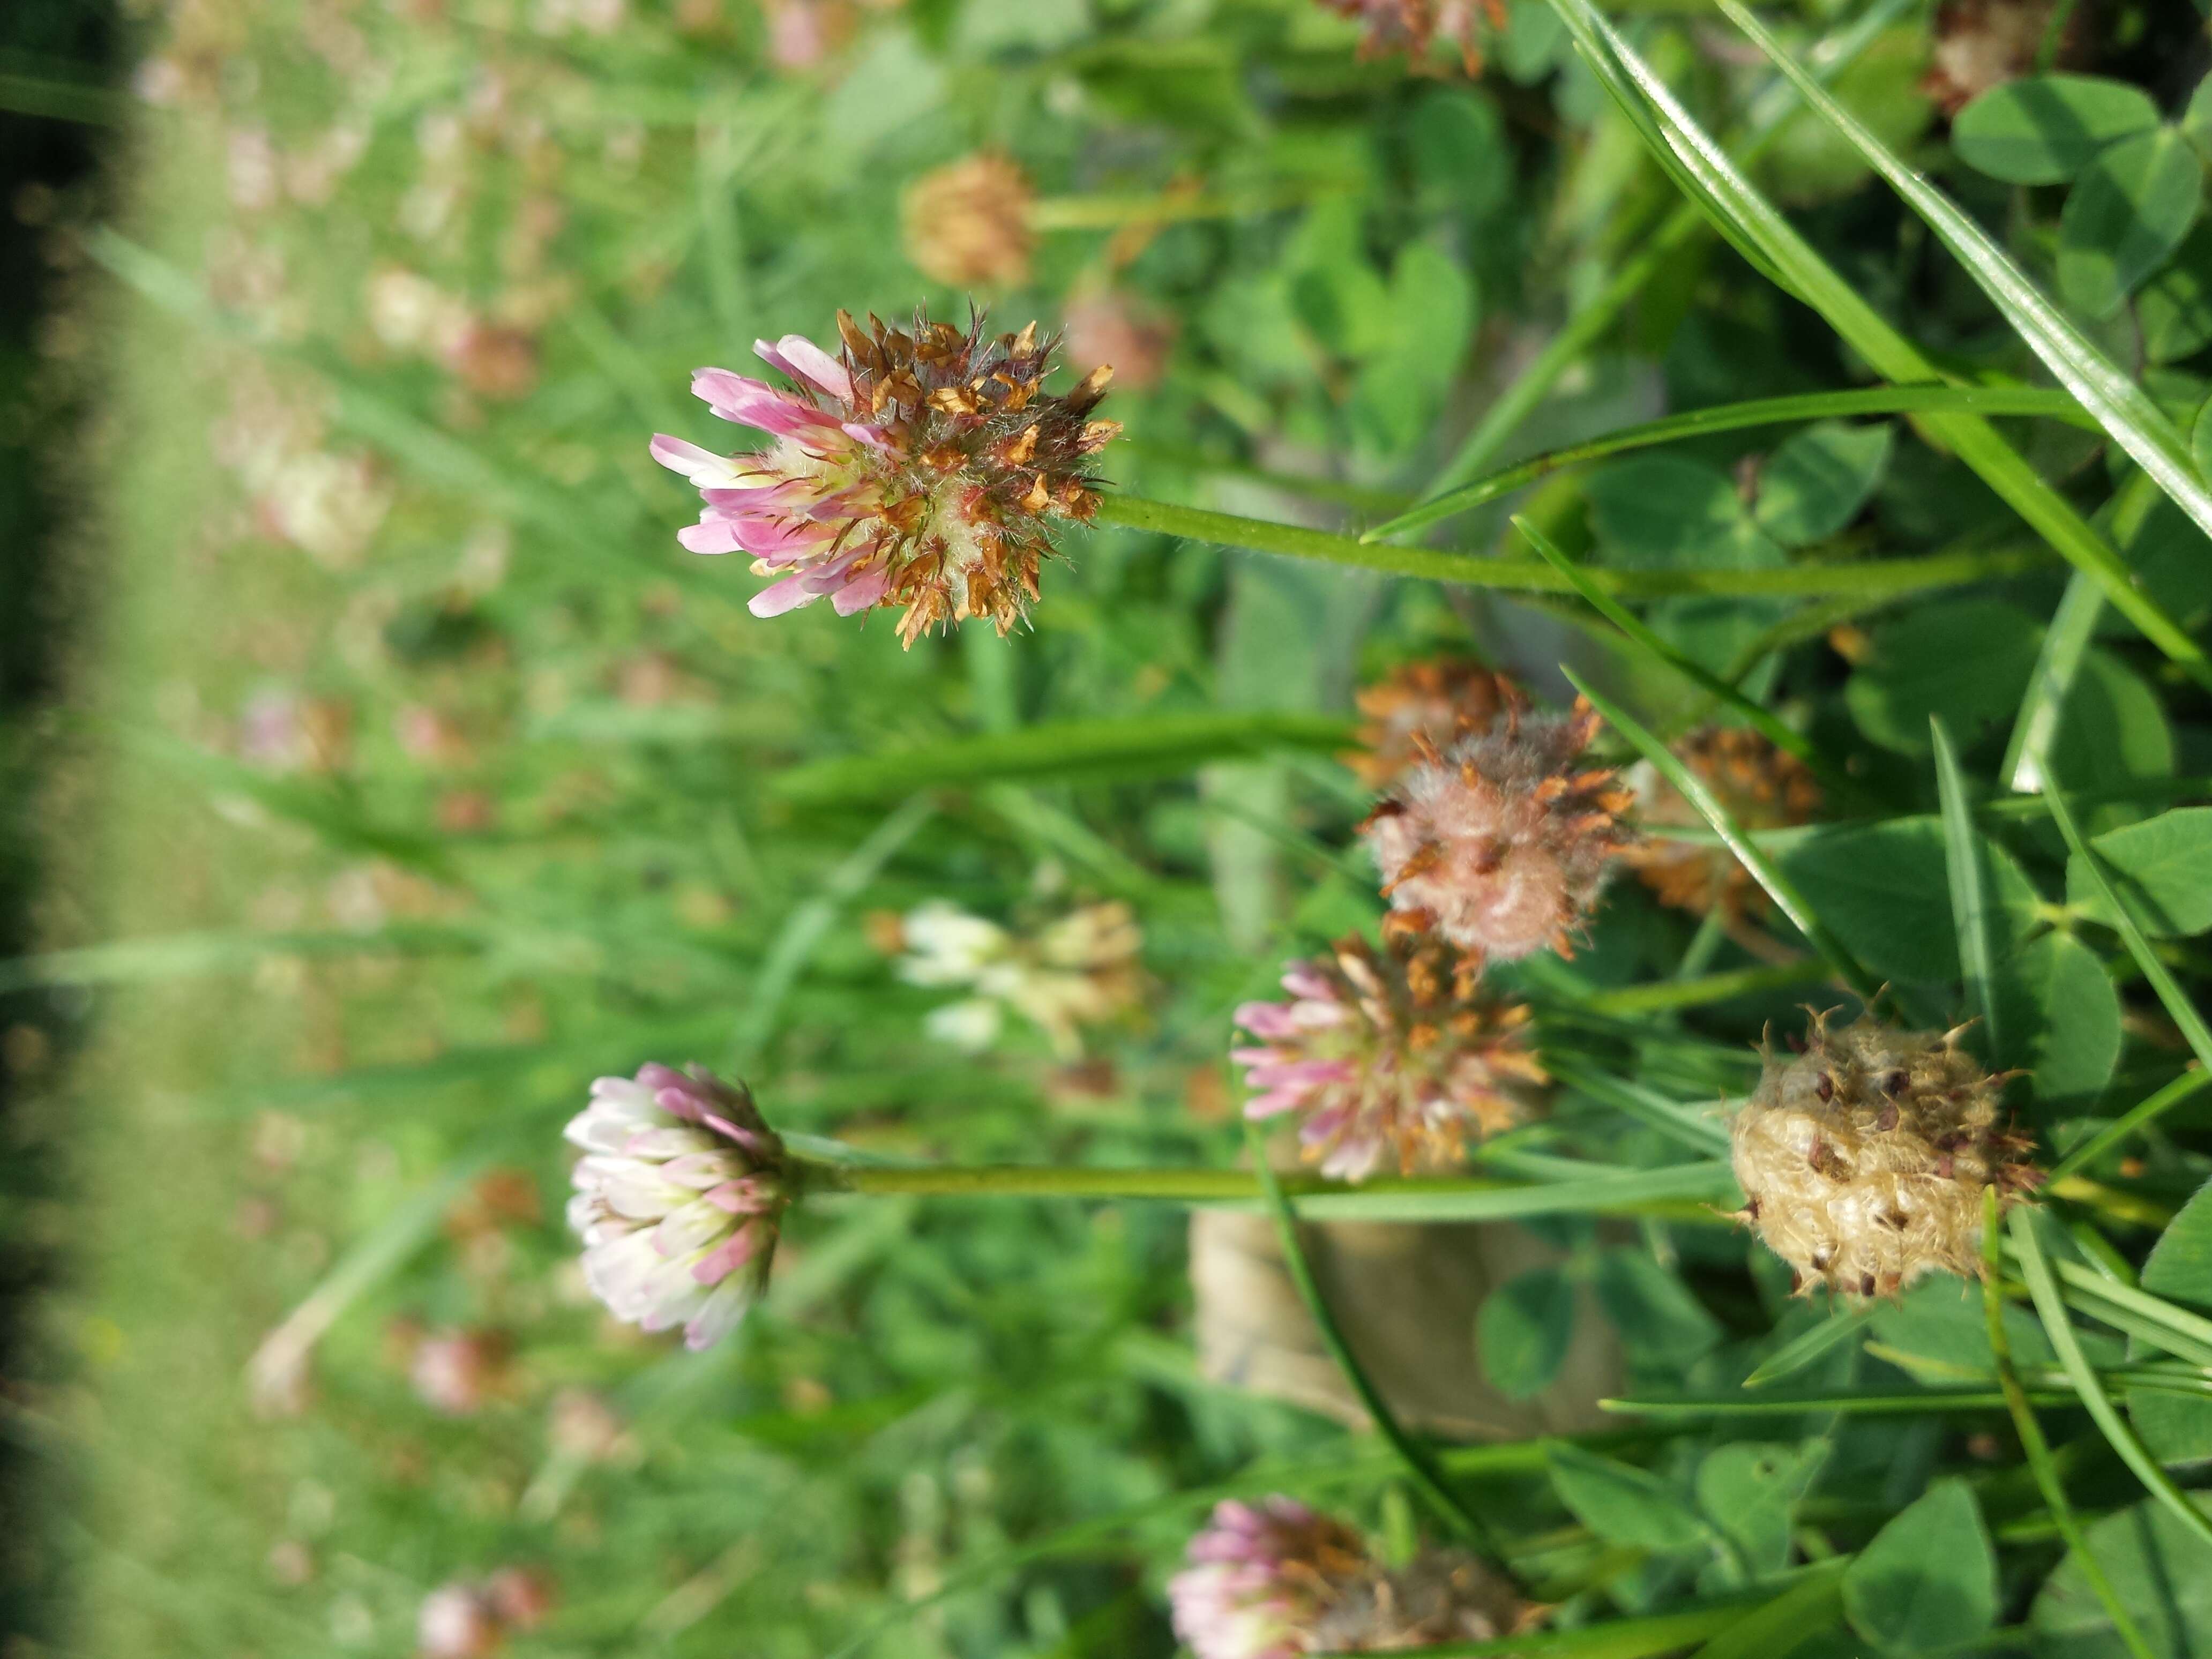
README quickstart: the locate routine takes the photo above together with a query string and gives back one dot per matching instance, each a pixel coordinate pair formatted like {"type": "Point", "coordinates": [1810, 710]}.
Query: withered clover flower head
{"type": "Point", "coordinates": [1275, 1580]}
{"type": "Point", "coordinates": [967, 223]}
{"type": "Point", "coordinates": [919, 469]}
{"type": "Point", "coordinates": [1392, 1053]}
{"type": "Point", "coordinates": [679, 1197]}
{"type": "Point", "coordinates": [1497, 841]}
{"type": "Point", "coordinates": [1434, 703]}
{"type": "Point", "coordinates": [1410, 26]}
{"type": "Point", "coordinates": [1762, 787]}
{"type": "Point", "coordinates": [1864, 1158]}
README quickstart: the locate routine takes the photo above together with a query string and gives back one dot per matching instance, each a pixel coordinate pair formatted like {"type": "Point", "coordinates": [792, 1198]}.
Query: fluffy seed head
{"type": "Point", "coordinates": [1274, 1580]}
{"type": "Point", "coordinates": [968, 223]}
{"type": "Point", "coordinates": [1437, 702]}
{"type": "Point", "coordinates": [1495, 840]}
{"type": "Point", "coordinates": [1387, 1053]}
{"type": "Point", "coordinates": [1762, 787]}
{"type": "Point", "coordinates": [679, 1197]}
{"type": "Point", "coordinates": [919, 470]}
{"type": "Point", "coordinates": [1863, 1159]}
{"type": "Point", "coordinates": [1410, 26]}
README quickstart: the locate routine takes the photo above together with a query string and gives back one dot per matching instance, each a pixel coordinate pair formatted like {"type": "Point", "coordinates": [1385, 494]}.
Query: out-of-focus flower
{"type": "Point", "coordinates": [801, 33]}
{"type": "Point", "coordinates": [1981, 44]}
{"type": "Point", "coordinates": [1079, 970]}
{"type": "Point", "coordinates": [329, 506]}
{"type": "Point", "coordinates": [1393, 1053]}
{"type": "Point", "coordinates": [582, 1428]}
{"type": "Point", "coordinates": [521, 1596]}
{"type": "Point", "coordinates": [1275, 1580]}
{"type": "Point", "coordinates": [1436, 702]}
{"type": "Point", "coordinates": [1109, 327]}
{"type": "Point", "coordinates": [1411, 26]}
{"type": "Point", "coordinates": [968, 223]}
{"type": "Point", "coordinates": [286, 732]}
{"type": "Point", "coordinates": [1762, 787]}
{"type": "Point", "coordinates": [679, 1197]}
{"type": "Point", "coordinates": [1863, 1160]}
{"type": "Point", "coordinates": [916, 470]}
{"type": "Point", "coordinates": [1496, 841]}
{"type": "Point", "coordinates": [454, 1372]}
{"type": "Point", "coordinates": [493, 361]}
{"type": "Point", "coordinates": [457, 1621]}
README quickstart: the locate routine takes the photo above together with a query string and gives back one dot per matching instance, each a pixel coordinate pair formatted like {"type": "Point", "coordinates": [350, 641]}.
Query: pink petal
{"type": "Point", "coordinates": [800, 358]}
{"type": "Point", "coordinates": [787, 595]}
{"type": "Point", "coordinates": [710, 536]}
{"type": "Point", "coordinates": [860, 592]}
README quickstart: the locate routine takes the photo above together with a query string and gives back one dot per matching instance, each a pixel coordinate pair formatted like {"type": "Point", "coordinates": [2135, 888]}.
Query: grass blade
{"type": "Point", "coordinates": [1698, 165]}
{"type": "Point", "coordinates": [2178, 1005]}
{"type": "Point", "coordinates": [1763, 869]}
{"type": "Point", "coordinates": [2043, 1288]}
{"type": "Point", "coordinates": [1667, 995]}
{"type": "Point", "coordinates": [1685, 1124]}
{"type": "Point", "coordinates": [1966, 861]}
{"type": "Point", "coordinates": [1808, 1606]}
{"type": "Point", "coordinates": [1801, 1350]}
{"type": "Point", "coordinates": [2121, 407]}
{"type": "Point", "coordinates": [2032, 1441]}
{"type": "Point", "coordinates": [1761, 719]}
{"type": "Point", "coordinates": [1065, 748]}
{"type": "Point", "coordinates": [1420, 1467]}
{"type": "Point", "coordinates": [1863, 1402]}
{"type": "Point", "coordinates": [1619, 1639]}
{"type": "Point", "coordinates": [1732, 417]}
{"type": "Point", "coordinates": [2185, 1086]}
{"type": "Point", "coordinates": [2139, 1313]}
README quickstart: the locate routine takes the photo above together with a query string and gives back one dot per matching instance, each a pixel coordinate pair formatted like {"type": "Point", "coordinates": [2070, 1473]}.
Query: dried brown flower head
{"type": "Point", "coordinates": [1109, 326]}
{"type": "Point", "coordinates": [1863, 1159]}
{"type": "Point", "coordinates": [1440, 1595]}
{"type": "Point", "coordinates": [1762, 787]}
{"type": "Point", "coordinates": [1411, 26]}
{"type": "Point", "coordinates": [1981, 44]}
{"type": "Point", "coordinates": [1441, 701]}
{"type": "Point", "coordinates": [967, 223]}
{"type": "Point", "coordinates": [917, 469]}
{"type": "Point", "coordinates": [1497, 840]}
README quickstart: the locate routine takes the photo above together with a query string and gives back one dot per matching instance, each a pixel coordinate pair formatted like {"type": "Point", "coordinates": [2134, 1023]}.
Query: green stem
{"type": "Point", "coordinates": [1420, 1467]}
{"type": "Point", "coordinates": [1887, 578]}
{"type": "Point", "coordinates": [1112, 210]}
{"type": "Point", "coordinates": [1682, 1190]}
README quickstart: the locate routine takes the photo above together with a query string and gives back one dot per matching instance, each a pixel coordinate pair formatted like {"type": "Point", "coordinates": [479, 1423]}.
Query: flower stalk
{"type": "Point", "coordinates": [1858, 578]}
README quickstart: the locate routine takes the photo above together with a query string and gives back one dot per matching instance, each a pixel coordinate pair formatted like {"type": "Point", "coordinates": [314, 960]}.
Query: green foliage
{"type": "Point", "coordinates": [1928, 1580]}
{"type": "Point", "coordinates": [2046, 129]}
{"type": "Point", "coordinates": [1524, 1330]}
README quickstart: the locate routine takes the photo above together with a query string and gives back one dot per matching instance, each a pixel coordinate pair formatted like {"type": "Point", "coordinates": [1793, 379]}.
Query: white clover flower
{"type": "Point", "coordinates": [679, 1197]}
{"type": "Point", "coordinates": [1079, 970]}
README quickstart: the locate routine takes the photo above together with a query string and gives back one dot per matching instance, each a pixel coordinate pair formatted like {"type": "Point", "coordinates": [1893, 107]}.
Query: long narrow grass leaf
{"type": "Point", "coordinates": [1421, 1466]}
{"type": "Point", "coordinates": [1062, 749]}
{"type": "Point", "coordinates": [1810, 1605]}
{"type": "Point", "coordinates": [1802, 1349]}
{"type": "Point", "coordinates": [1987, 400]}
{"type": "Point", "coordinates": [2133, 1121]}
{"type": "Point", "coordinates": [1717, 184]}
{"type": "Point", "coordinates": [1763, 720]}
{"type": "Point", "coordinates": [2043, 1289]}
{"type": "Point", "coordinates": [1763, 869]}
{"type": "Point", "coordinates": [2121, 407]}
{"type": "Point", "coordinates": [1965, 861]}
{"type": "Point", "coordinates": [2176, 1001]}
{"type": "Point", "coordinates": [2040, 1463]}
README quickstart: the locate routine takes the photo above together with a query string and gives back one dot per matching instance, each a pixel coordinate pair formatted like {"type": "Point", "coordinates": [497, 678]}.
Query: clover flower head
{"type": "Point", "coordinates": [1411, 26]}
{"type": "Point", "coordinates": [1259, 1576]}
{"type": "Point", "coordinates": [1762, 787]}
{"type": "Point", "coordinates": [1392, 1053]}
{"type": "Point", "coordinates": [920, 470]}
{"type": "Point", "coordinates": [1497, 840]}
{"type": "Point", "coordinates": [1077, 971]}
{"type": "Point", "coordinates": [1433, 703]}
{"type": "Point", "coordinates": [1275, 1580]}
{"type": "Point", "coordinates": [1864, 1158]}
{"type": "Point", "coordinates": [967, 223]}
{"type": "Point", "coordinates": [679, 1197]}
